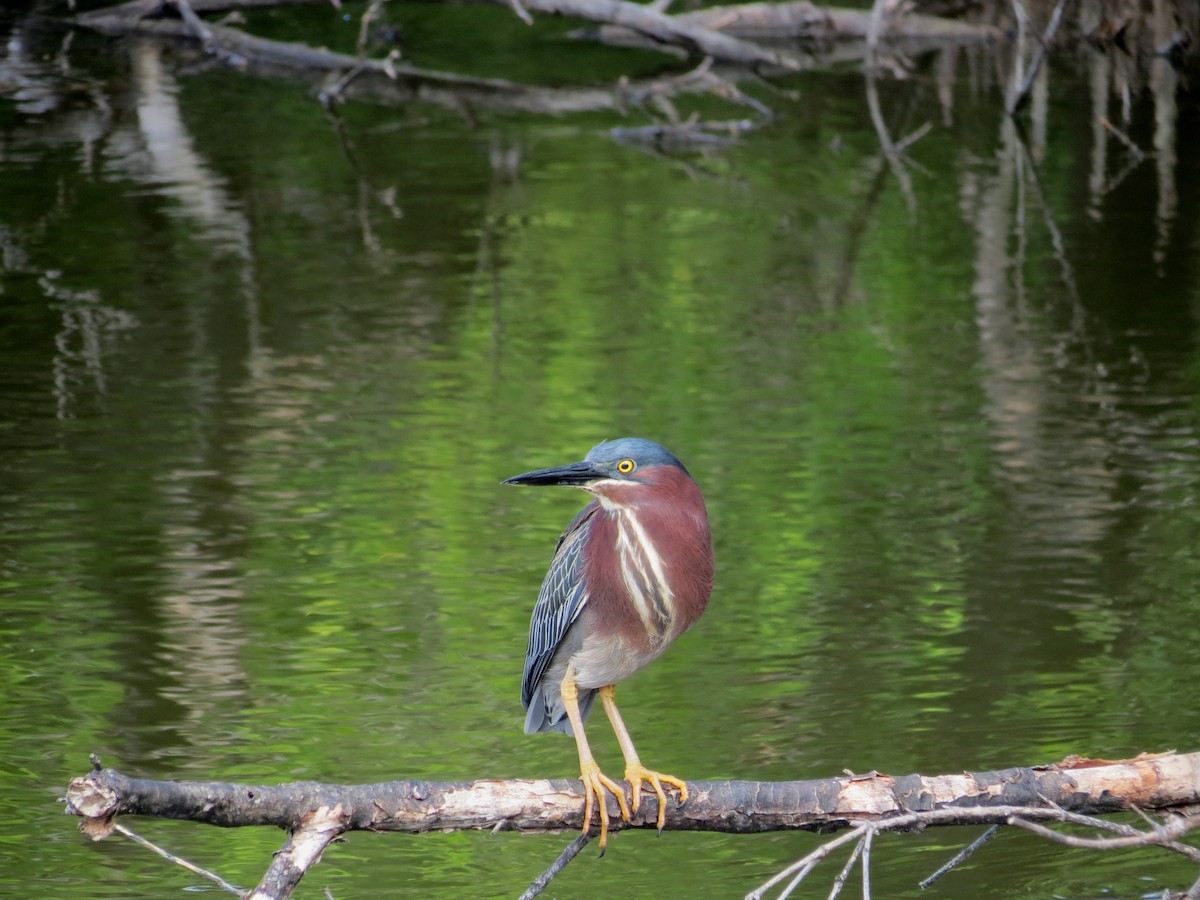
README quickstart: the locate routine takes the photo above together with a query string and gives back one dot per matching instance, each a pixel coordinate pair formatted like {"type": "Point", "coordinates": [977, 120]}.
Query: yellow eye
{"type": "Point", "coordinates": [626, 466]}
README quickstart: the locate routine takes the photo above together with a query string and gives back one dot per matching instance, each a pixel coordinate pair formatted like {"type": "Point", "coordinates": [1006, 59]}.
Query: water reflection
{"type": "Point", "coordinates": [164, 155]}
{"type": "Point", "coordinates": [260, 394]}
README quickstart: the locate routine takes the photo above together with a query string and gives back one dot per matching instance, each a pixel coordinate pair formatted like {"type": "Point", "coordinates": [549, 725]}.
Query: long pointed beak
{"type": "Point", "coordinates": [576, 474]}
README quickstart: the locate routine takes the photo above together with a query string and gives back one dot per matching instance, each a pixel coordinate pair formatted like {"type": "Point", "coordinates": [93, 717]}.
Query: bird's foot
{"type": "Point", "coordinates": [636, 773]}
{"type": "Point", "coordinates": [595, 783]}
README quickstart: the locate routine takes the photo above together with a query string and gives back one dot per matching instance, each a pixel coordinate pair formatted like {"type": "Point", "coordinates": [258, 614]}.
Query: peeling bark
{"type": "Point", "coordinates": [1157, 782]}
{"type": "Point", "coordinates": [302, 851]}
{"type": "Point", "coordinates": [316, 814]}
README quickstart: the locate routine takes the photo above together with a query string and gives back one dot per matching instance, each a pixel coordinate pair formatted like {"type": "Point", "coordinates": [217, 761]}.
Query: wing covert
{"type": "Point", "coordinates": [559, 603]}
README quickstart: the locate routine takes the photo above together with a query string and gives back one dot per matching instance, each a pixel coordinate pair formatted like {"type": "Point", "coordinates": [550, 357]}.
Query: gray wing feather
{"type": "Point", "coordinates": [559, 602]}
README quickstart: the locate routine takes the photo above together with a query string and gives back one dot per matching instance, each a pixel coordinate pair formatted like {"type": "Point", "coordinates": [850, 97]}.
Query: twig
{"type": "Point", "coordinates": [569, 853]}
{"type": "Point", "coordinates": [960, 856]}
{"type": "Point", "coordinates": [364, 24]}
{"type": "Point", "coordinates": [199, 30]}
{"type": "Point", "coordinates": [1163, 835]}
{"type": "Point", "coordinates": [1017, 99]}
{"type": "Point", "coordinates": [726, 90]}
{"type": "Point", "coordinates": [365, 189]}
{"type": "Point", "coordinates": [895, 163]}
{"type": "Point", "coordinates": [904, 143]}
{"type": "Point", "coordinates": [1160, 835]}
{"type": "Point", "coordinates": [669, 85]}
{"type": "Point", "coordinates": [795, 882]}
{"type": "Point", "coordinates": [807, 862]}
{"type": "Point", "coordinates": [332, 94]}
{"type": "Point", "coordinates": [866, 862]}
{"type": "Point", "coordinates": [840, 881]}
{"type": "Point", "coordinates": [521, 12]}
{"type": "Point", "coordinates": [1067, 271]}
{"type": "Point", "coordinates": [1087, 821]}
{"type": "Point", "coordinates": [1123, 138]}
{"type": "Point", "coordinates": [1113, 183]}
{"type": "Point", "coordinates": [179, 861]}
{"type": "Point", "coordinates": [703, 75]}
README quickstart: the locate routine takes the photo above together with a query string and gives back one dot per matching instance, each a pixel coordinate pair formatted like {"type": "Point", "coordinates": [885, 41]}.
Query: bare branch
{"type": "Point", "coordinates": [658, 26]}
{"type": "Point", "coordinates": [1072, 791]}
{"type": "Point", "coordinates": [890, 153]}
{"type": "Point", "coordinates": [904, 143]}
{"type": "Point", "coordinates": [840, 881]}
{"type": "Point", "coordinates": [199, 30]}
{"type": "Point", "coordinates": [1150, 782]}
{"type": "Point", "coordinates": [868, 839]}
{"type": "Point", "coordinates": [1163, 836]}
{"type": "Point", "coordinates": [300, 852]}
{"type": "Point", "coordinates": [1017, 97]}
{"type": "Point", "coordinates": [520, 11]}
{"type": "Point", "coordinates": [1121, 136]}
{"type": "Point", "coordinates": [804, 865]}
{"type": "Point", "coordinates": [179, 861]}
{"type": "Point", "coordinates": [370, 14]}
{"type": "Point", "coordinates": [542, 881]}
{"type": "Point", "coordinates": [962, 855]}
{"type": "Point", "coordinates": [1158, 835]}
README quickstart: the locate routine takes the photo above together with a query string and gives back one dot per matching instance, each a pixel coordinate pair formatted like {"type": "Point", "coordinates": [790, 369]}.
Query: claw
{"type": "Point", "coordinates": [636, 774]}
{"type": "Point", "coordinates": [595, 783]}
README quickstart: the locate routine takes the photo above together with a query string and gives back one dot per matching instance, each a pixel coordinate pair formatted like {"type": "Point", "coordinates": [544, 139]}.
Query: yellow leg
{"type": "Point", "coordinates": [635, 772]}
{"type": "Point", "coordinates": [595, 782]}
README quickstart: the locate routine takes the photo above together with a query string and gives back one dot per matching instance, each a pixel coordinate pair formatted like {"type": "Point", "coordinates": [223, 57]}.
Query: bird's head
{"type": "Point", "coordinates": [623, 467]}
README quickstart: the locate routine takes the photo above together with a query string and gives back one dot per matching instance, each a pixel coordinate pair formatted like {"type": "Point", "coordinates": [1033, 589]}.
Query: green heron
{"type": "Point", "coordinates": [633, 570]}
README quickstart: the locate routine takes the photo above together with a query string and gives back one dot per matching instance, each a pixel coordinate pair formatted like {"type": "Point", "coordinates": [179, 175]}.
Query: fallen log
{"type": "Point", "coordinates": [384, 81]}
{"type": "Point", "coordinates": [741, 34]}
{"type": "Point", "coordinates": [656, 27]}
{"type": "Point", "coordinates": [809, 24]}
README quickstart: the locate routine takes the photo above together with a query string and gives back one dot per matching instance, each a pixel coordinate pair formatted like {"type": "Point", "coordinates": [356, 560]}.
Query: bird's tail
{"type": "Point", "coordinates": [547, 713]}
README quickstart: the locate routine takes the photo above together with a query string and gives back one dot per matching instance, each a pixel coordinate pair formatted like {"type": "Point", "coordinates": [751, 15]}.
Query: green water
{"type": "Point", "coordinates": [259, 386]}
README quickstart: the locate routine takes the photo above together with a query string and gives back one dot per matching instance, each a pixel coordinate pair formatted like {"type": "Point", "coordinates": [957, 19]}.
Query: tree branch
{"type": "Point", "coordinates": [316, 814]}
{"type": "Point", "coordinates": [738, 807]}
{"type": "Point", "coordinates": [300, 852]}
{"type": "Point", "coordinates": [1018, 93]}
{"type": "Point", "coordinates": [865, 833]}
{"type": "Point", "coordinates": [659, 27]}
{"type": "Point", "coordinates": [389, 80]}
